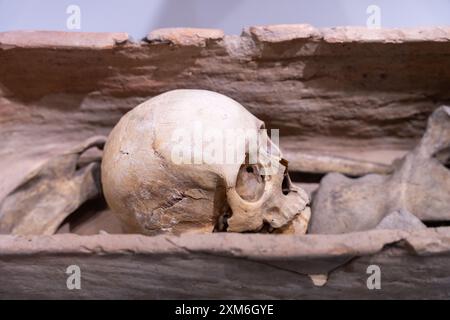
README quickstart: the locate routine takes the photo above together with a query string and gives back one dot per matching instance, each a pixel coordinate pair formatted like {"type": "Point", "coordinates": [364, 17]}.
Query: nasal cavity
{"type": "Point", "coordinates": [285, 186]}
{"type": "Point", "coordinates": [443, 156]}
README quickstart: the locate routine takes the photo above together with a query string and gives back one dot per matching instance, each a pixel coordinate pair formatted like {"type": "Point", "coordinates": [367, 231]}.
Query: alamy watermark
{"type": "Point", "coordinates": [73, 281]}
{"type": "Point", "coordinates": [374, 280]}
{"type": "Point", "coordinates": [73, 21]}
{"type": "Point", "coordinates": [374, 19]}
{"type": "Point", "coordinates": [201, 145]}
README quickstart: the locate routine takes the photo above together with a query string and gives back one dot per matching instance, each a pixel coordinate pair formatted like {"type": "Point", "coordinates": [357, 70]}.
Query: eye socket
{"type": "Point", "coordinates": [250, 183]}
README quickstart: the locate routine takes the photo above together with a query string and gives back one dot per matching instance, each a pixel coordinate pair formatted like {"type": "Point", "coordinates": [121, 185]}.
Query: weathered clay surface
{"type": "Point", "coordinates": [227, 265]}
{"type": "Point", "coordinates": [345, 92]}
{"type": "Point", "coordinates": [350, 93]}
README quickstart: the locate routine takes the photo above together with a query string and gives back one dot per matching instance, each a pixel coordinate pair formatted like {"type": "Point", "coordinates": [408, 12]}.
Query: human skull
{"type": "Point", "coordinates": [185, 161]}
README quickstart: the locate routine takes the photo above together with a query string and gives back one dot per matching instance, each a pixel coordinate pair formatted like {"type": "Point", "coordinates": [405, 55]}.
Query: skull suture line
{"type": "Point", "coordinates": [153, 190]}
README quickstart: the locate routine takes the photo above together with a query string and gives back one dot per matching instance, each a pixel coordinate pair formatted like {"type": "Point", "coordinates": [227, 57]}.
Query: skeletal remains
{"type": "Point", "coordinates": [51, 192]}
{"type": "Point", "coordinates": [153, 190]}
{"type": "Point", "coordinates": [418, 187]}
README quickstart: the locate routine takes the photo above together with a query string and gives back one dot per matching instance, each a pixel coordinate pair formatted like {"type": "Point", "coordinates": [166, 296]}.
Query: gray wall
{"type": "Point", "coordinates": [137, 17]}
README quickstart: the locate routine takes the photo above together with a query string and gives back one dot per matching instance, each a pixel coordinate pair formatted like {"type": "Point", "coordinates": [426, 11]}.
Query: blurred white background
{"type": "Point", "coordinates": [138, 17]}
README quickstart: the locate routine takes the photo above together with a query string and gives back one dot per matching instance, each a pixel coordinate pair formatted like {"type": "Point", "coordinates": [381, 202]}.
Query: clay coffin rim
{"type": "Point", "coordinates": [199, 36]}
{"type": "Point", "coordinates": [252, 246]}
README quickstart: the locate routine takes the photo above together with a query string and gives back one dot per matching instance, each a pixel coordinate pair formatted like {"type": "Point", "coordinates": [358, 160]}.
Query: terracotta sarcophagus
{"type": "Point", "coordinates": [364, 132]}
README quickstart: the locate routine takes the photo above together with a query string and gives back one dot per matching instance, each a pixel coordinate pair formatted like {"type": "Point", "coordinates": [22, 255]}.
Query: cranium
{"type": "Point", "coordinates": [162, 170]}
